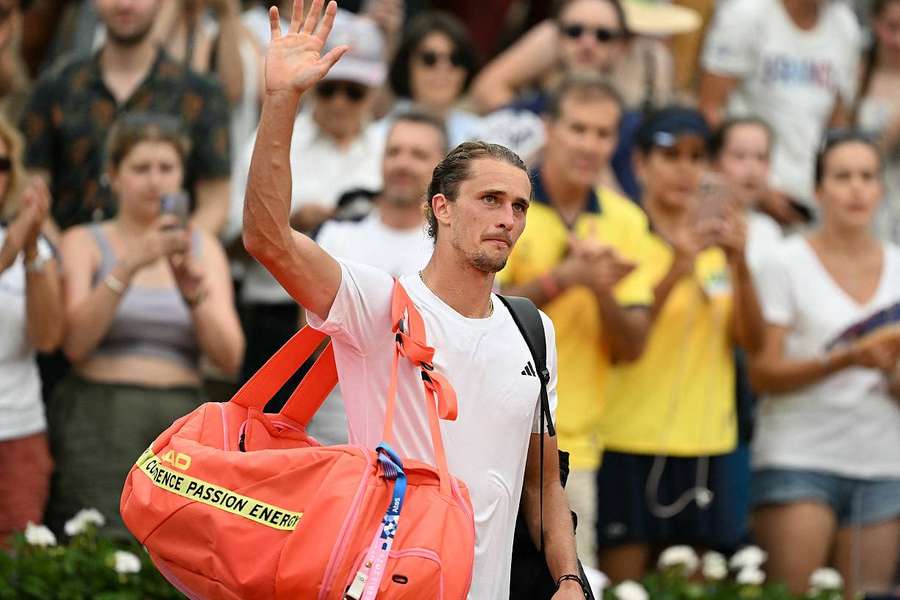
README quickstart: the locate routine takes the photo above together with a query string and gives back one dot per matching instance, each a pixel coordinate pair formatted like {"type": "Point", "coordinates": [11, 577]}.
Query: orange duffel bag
{"type": "Point", "coordinates": [235, 503]}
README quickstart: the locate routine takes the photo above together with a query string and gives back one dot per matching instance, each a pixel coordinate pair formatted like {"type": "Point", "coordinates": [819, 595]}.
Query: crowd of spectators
{"type": "Point", "coordinates": [715, 211]}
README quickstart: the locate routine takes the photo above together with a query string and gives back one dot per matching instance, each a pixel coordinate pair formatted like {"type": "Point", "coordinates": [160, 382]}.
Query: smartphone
{"type": "Point", "coordinates": [714, 198]}
{"type": "Point", "coordinates": [178, 204]}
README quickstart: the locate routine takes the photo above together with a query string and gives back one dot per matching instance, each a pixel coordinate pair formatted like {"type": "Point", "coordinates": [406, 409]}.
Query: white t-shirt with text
{"type": "Point", "coordinates": [789, 77]}
{"type": "Point", "coordinates": [846, 424]}
{"type": "Point", "coordinates": [484, 360]}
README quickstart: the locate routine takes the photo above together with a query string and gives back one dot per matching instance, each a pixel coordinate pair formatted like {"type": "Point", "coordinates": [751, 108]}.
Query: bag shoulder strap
{"type": "Point", "coordinates": [528, 319]}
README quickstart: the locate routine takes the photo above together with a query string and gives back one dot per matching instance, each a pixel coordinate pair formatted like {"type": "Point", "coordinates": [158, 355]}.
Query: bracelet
{"type": "Point", "coordinates": [115, 284]}
{"type": "Point", "coordinates": [549, 285]}
{"type": "Point", "coordinates": [569, 577]}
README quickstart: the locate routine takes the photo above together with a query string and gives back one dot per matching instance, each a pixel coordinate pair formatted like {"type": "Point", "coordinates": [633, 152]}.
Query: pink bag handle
{"type": "Point", "coordinates": [440, 397]}
{"type": "Point", "coordinates": [266, 382]}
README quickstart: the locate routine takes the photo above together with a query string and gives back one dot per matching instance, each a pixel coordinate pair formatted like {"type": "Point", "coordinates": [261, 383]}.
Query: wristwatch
{"type": "Point", "coordinates": [37, 265]}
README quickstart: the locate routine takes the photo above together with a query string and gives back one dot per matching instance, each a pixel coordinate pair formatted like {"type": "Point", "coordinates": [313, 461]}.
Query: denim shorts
{"type": "Point", "coordinates": [854, 501]}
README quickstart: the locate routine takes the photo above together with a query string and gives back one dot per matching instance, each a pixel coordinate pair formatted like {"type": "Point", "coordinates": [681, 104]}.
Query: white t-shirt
{"type": "Point", "coordinates": [499, 407]}
{"type": "Point", "coordinates": [789, 77]}
{"type": "Point", "coordinates": [764, 235]}
{"type": "Point", "coordinates": [371, 242]}
{"type": "Point", "coordinates": [847, 423]}
{"type": "Point", "coordinates": [21, 407]}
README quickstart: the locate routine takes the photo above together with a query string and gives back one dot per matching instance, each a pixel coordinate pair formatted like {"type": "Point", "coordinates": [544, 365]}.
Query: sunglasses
{"type": "Point", "coordinates": [602, 34]}
{"type": "Point", "coordinates": [430, 58]}
{"type": "Point", "coordinates": [5, 164]}
{"type": "Point", "coordinates": [354, 92]}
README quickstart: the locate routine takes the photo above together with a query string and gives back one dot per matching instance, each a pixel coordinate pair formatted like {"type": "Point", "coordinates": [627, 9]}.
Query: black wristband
{"type": "Point", "coordinates": [569, 576]}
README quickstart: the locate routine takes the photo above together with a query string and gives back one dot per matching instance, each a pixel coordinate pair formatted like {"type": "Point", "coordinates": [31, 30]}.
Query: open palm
{"type": "Point", "coordinates": [294, 61]}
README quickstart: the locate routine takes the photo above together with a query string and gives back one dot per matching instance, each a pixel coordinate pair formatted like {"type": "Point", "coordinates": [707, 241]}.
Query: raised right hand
{"type": "Point", "coordinates": [164, 239]}
{"type": "Point", "coordinates": [294, 61]}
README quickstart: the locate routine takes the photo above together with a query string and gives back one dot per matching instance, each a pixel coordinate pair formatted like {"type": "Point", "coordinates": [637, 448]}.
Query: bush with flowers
{"type": "Point", "coordinates": [88, 566]}
{"type": "Point", "coordinates": [682, 575]}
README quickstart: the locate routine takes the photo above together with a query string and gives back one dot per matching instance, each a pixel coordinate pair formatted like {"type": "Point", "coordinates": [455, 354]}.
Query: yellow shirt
{"type": "Point", "coordinates": [679, 397]}
{"type": "Point", "coordinates": [582, 355]}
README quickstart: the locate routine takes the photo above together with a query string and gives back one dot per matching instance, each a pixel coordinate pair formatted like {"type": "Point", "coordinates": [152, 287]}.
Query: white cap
{"type": "Point", "coordinates": [364, 62]}
{"type": "Point", "coordinates": [659, 18]}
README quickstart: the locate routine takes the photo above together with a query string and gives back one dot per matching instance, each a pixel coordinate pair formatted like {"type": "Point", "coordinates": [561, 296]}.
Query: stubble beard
{"type": "Point", "coordinates": [487, 264]}
{"type": "Point", "coordinates": [129, 40]}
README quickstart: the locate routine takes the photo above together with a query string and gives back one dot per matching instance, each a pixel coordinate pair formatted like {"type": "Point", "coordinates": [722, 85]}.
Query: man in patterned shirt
{"type": "Point", "coordinates": [74, 104]}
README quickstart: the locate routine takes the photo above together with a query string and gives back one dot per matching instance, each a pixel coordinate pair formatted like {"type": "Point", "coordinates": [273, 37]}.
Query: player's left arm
{"type": "Point", "coordinates": [559, 532]}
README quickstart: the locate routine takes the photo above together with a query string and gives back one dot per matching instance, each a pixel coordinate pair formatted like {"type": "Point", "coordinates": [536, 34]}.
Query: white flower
{"type": "Point", "coordinates": [825, 579]}
{"type": "Point", "coordinates": [84, 517]}
{"type": "Point", "coordinates": [715, 567]}
{"type": "Point", "coordinates": [748, 557]}
{"type": "Point", "coordinates": [39, 535]}
{"type": "Point", "coordinates": [751, 576]}
{"type": "Point", "coordinates": [683, 556]}
{"type": "Point", "coordinates": [630, 590]}
{"type": "Point", "coordinates": [597, 580]}
{"type": "Point", "coordinates": [126, 562]}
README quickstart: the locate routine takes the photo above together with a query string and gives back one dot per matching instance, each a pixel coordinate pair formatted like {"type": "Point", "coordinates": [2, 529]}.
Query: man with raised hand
{"type": "Point", "coordinates": [477, 200]}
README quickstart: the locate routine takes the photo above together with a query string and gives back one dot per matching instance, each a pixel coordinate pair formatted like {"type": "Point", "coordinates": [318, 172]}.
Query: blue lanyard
{"type": "Point", "coordinates": [368, 579]}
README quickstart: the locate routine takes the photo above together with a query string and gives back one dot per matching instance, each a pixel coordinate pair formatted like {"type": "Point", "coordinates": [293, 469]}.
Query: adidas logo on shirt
{"type": "Point", "coordinates": [529, 370]}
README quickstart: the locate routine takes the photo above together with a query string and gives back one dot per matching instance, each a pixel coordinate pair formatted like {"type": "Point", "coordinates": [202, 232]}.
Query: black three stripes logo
{"type": "Point", "coordinates": [529, 370]}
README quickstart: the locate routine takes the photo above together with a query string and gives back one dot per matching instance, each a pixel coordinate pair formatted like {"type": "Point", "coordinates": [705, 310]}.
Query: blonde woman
{"type": "Point", "coordinates": [30, 319]}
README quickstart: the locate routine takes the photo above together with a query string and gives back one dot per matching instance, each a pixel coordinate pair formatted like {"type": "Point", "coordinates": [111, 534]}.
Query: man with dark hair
{"type": "Point", "coordinates": [580, 259]}
{"type": "Point", "coordinates": [479, 196]}
{"type": "Point", "coordinates": [72, 107]}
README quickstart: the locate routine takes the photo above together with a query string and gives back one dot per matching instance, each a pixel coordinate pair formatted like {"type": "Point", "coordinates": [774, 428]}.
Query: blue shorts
{"type": "Point", "coordinates": [624, 516]}
{"type": "Point", "coordinates": [854, 501]}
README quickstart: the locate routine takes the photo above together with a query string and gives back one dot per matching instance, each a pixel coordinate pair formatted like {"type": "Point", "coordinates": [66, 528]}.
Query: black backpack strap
{"type": "Point", "coordinates": [531, 326]}
{"type": "Point", "coordinates": [528, 319]}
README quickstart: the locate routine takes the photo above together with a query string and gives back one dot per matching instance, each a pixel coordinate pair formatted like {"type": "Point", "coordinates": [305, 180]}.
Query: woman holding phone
{"type": "Point", "coordinates": [826, 456]}
{"type": "Point", "coordinates": [669, 423]}
{"type": "Point", "coordinates": [145, 297]}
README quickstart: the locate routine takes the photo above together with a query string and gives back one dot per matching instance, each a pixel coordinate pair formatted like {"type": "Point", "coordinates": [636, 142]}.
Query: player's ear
{"type": "Point", "coordinates": [443, 208]}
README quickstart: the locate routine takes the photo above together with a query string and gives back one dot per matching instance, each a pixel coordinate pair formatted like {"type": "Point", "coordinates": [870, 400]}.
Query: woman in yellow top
{"type": "Point", "coordinates": [670, 416]}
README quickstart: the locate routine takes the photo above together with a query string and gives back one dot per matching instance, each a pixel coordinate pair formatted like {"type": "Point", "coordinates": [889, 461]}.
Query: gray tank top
{"type": "Point", "coordinates": [148, 321]}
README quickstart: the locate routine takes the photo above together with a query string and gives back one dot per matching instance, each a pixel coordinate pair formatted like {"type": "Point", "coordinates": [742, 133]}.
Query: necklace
{"type": "Point", "coordinates": [490, 300]}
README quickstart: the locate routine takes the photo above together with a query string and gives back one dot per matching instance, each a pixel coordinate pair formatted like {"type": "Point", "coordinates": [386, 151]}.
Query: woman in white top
{"type": "Point", "coordinates": [30, 319]}
{"type": "Point", "coordinates": [741, 150]}
{"type": "Point", "coordinates": [826, 457]}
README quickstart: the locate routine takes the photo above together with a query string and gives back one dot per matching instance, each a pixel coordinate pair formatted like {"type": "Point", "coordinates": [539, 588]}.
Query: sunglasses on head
{"type": "Point", "coordinates": [602, 34]}
{"type": "Point", "coordinates": [430, 58]}
{"type": "Point", "coordinates": [351, 90]}
{"type": "Point", "coordinates": [5, 164]}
